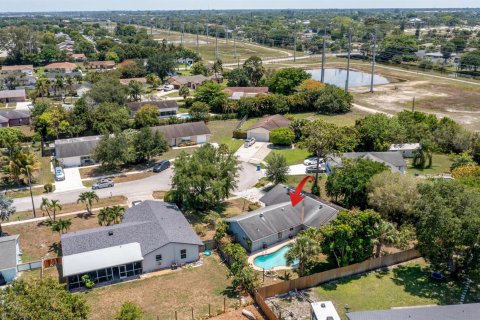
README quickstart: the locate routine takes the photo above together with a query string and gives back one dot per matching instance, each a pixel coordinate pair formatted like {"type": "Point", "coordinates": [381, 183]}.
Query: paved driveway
{"type": "Point", "coordinates": [253, 154]}
{"type": "Point", "coordinates": [73, 181]}
{"type": "Point", "coordinates": [297, 169]}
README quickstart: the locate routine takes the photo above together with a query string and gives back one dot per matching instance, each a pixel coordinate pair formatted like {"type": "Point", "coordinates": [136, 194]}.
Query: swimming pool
{"type": "Point", "coordinates": [274, 259]}
{"type": "Point", "coordinates": [184, 116]}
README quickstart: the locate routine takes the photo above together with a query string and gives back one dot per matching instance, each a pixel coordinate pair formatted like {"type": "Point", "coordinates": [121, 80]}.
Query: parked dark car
{"type": "Point", "coordinates": [313, 169]}
{"type": "Point", "coordinates": [102, 184]}
{"type": "Point", "coordinates": [163, 165]}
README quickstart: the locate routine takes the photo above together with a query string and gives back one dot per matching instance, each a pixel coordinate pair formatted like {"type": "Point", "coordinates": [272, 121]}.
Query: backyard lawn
{"type": "Point", "coordinates": [161, 295]}
{"type": "Point", "coordinates": [406, 285]}
{"type": "Point", "coordinates": [222, 131]}
{"type": "Point", "coordinates": [293, 156]}
{"type": "Point", "coordinates": [440, 164]}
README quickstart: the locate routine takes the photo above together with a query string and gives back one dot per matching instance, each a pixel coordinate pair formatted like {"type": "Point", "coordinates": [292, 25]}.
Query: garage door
{"type": "Point", "coordinates": [201, 139]}
{"type": "Point", "coordinates": [259, 136]}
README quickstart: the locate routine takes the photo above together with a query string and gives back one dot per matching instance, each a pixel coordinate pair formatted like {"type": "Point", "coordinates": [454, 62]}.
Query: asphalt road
{"type": "Point", "coordinates": [138, 189]}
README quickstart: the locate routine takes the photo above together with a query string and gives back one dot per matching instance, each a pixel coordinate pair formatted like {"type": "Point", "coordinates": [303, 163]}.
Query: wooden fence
{"type": "Point", "coordinates": [260, 294]}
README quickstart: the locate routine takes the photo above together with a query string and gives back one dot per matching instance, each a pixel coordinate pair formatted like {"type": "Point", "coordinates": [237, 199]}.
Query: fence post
{"type": "Point", "coordinates": [224, 304]}
{"type": "Point", "coordinates": [209, 314]}
{"type": "Point", "coordinates": [192, 313]}
{"type": "Point", "coordinates": [176, 315]}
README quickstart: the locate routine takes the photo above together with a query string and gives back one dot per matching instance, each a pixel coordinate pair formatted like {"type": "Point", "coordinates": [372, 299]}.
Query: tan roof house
{"type": "Point", "coordinates": [100, 65]}
{"type": "Point", "coordinates": [65, 67]}
{"type": "Point", "coordinates": [79, 57]}
{"type": "Point", "coordinates": [26, 69]}
{"type": "Point", "coordinates": [127, 81]}
{"type": "Point", "coordinates": [236, 93]}
{"type": "Point", "coordinates": [261, 130]}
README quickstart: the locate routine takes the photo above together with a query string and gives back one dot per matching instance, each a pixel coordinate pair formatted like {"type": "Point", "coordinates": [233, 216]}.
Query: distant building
{"type": "Point", "coordinates": [127, 81]}
{"type": "Point", "coordinates": [26, 69]}
{"type": "Point", "coordinates": [18, 95]}
{"type": "Point", "coordinates": [193, 82]}
{"type": "Point", "coordinates": [65, 67]}
{"type": "Point", "coordinates": [236, 93]}
{"type": "Point", "coordinates": [323, 310]}
{"type": "Point", "coordinates": [393, 160]}
{"type": "Point", "coordinates": [449, 312]}
{"type": "Point", "coordinates": [14, 118]}
{"type": "Point", "coordinates": [167, 108]}
{"type": "Point", "coordinates": [191, 132]}
{"type": "Point", "coordinates": [10, 257]}
{"type": "Point", "coordinates": [153, 235]}
{"type": "Point", "coordinates": [79, 57]}
{"type": "Point", "coordinates": [261, 129]}
{"type": "Point", "coordinates": [99, 65]}
{"type": "Point", "coordinates": [407, 150]}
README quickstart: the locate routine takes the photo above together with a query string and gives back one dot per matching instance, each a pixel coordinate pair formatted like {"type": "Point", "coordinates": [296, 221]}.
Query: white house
{"type": "Point", "coordinates": [153, 235]}
{"type": "Point", "coordinates": [261, 130]}
{"type": "Point", "coordinates": [407, 150]}
{"type": "Point", "coordinates": [10, 256]}
{"type": "Point", "coordinates": [393, 160]}
{"type": "Point", "coordinates": [323, 310]}
{"type": "Point", "coordinates": [75, 152]}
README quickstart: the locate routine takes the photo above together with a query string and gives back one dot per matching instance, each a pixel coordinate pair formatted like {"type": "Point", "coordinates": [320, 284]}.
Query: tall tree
{"type": "Point", "coordinates": [148, 144]}
{"type": "Point", "coordinates": [285, 81]}
{"type": "Point", "coordinates": [424, 155]}
{"type": "Point", "coordinates": [277, 168]}
{"type": "Point", "coordinates": [212, 94]}
{"type": "Point", "coordinates": [41, 299]}
{"type": "Point", "coordinates": [387, 234]}
{"type": "Point", "coordinates": [304, 248]}
{"type": "Point", "coordinates": [6, 210]}
{"type": "Point", "coordinates": [112, 151]}
{"type": "Point", "coordinates": [162, 64]}
{"type": "Point", "coordinates": [87, 198]}
{"type": "Point", "coordinates": [135, 90]}
{"type": "Point", "coordinates": [147, 116]}
{"type": "Point", "coordinates": [254, 69]}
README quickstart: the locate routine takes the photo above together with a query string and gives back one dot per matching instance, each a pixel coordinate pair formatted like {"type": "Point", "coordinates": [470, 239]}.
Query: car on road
{"type": "Point", "coordinates": [102, 184]}
{"type": "Point", "coordinates": [163, 165]}
{"type": "Point", "coordinates": [59, 174]}
{"type": "Point", "coordinates": [312, 161]}
{"type": "Point", "coordinates": [249, 142]}
{"type": "Point", "coordinates": [136, 202]}
{"type": "Point", "coordinates": [313, 169]}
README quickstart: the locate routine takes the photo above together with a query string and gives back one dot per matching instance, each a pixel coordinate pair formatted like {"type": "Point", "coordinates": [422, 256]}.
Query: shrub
{"type": "Point", "coordinates": [89, 284]}
{"type": "Point", "coordinates": [129, 311]}
{"type": "Point", "coordinates": [200, 229]}
{"type": "Point", "coordinates": [239, 134]}
{"type": "Point", "coordinates": [170, 197]}
{"type": "Point", "coordinates": [48, 187]}
{"type": "Point", "coordinates": [282, 136]}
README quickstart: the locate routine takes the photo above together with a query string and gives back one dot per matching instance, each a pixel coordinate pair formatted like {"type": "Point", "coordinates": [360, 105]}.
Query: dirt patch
{"type": "Point", "coordinates": [237, 314]}
{"type": "Point", "coordinates": [292, 305]}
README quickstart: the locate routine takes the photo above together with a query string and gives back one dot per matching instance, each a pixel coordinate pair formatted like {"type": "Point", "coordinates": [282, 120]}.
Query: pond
{"type": "Point", "coordinates": [339, 76]}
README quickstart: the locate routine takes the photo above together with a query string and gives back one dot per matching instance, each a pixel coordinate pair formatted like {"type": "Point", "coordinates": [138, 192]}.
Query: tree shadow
{"type": "Point", "coordinates": [55, 247]}
{"type": "Point", "coordinates": [230, 292]}
{"type": "Point", "coordinates": [332, 285]}
{"type": "Point", "coordinates": [84, 215]}
{"type": "Point", "coordinates": [416, 281]}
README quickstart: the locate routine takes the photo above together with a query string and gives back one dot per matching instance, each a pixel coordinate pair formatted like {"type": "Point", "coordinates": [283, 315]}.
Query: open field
{"type": "Point", "coordinates": [226, 51]}
{"type": "Point", "coordinates": [161, 295]}
{"type": "Point", "coordinates": [406, 285]}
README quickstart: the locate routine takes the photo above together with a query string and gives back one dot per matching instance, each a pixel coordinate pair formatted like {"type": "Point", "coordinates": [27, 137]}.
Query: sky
{"type": "Point", "coordinates": [97, 5]}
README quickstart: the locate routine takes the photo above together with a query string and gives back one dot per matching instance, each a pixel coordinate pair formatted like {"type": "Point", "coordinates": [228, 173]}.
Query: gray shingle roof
{"type": "Point", "coordinates": [153, 224]}
{"type": "Point", "coordinates": [14, 114]}
{"type": "Point", "coordinates": [451, 312]}
{"type": "Point", "coordinates": [76, 147]}
{"type": "Point", "coordinates": [183, 80]}
{"type": "Point", "coordinates": [8, 252]}
{"type": "Point", "coordinates": [393, 159]}
{"type": "Point", "coordinates": [162, 104]}
{"type": "Point", "coordinates": [272, 122]}
{"type": "Point", "coordinates": [280, 216]}
{"type": "Point", "coordinates": [183, 130]}
{"type": "Point", "coordinates": [12, 93]}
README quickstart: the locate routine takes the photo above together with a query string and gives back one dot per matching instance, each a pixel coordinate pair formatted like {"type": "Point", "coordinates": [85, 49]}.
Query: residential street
{"type": "Point", "coordinates": [138, 189]}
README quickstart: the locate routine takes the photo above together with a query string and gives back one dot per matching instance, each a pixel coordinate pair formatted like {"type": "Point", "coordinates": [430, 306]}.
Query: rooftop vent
{"type": "Point", "coordinates": [323, 305]}
{"type": "Point", "coordinates": [110, 233]}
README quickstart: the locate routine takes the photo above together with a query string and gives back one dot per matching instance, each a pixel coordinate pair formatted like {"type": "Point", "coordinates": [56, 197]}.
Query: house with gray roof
{"type": "Point", "coordinates": [166, 108]}
{"type": "Point", "coordinates": [153, 235]}
{"type": "Point", "coordinates": [278, 220]}
{"type": "Point", "coordinates": [394, 160]}
{"type": "Point", "coordinates": [450, 312]}
{"type": "Point", "coordinates": [17, 95]}
{"type": "Point", "coordinates": [10, 255]}
{"type": "Point", "coordinates": [13, 118]}
{"type": "Point", "coordinates": [262, 128]}
{"type": "Point", "coordinates": [75, 152]}
{"type": "Point", "coordinates": [185, 133]}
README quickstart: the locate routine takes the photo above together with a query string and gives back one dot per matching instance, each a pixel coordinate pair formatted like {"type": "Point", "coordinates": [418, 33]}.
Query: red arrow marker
{"type": "Point", "coordinates": [296, 198]}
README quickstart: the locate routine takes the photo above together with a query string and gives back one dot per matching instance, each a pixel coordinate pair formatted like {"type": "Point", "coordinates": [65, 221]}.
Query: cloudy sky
{"type": "Point", "coordinates": [94, 5]}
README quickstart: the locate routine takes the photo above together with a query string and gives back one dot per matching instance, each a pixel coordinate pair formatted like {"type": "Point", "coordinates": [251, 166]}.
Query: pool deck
{"type": "Point", "coordinates": [267, 251]}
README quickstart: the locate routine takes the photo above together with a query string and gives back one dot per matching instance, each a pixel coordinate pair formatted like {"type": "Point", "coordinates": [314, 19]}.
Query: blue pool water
{"type": "Point", "coordinates": [184, 116]}
{"type": "Point", "coordinates": [274, 259]}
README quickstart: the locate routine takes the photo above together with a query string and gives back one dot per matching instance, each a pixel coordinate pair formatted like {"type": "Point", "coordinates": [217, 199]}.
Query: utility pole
{"type": "Point", "coordinates": [226, 34]}
{"type": "Point", "coordinates": [216, 44]}
{"type": "Point", "coordinates": [197, 41]}
{"type": "Point", "coordinates": [322, 79]}
{"type": "Point", "coordinates": [413, 104]}
{"type": "Point", "coordinates": [207, 31]}
{"type": "Point", "coordinates": [31, 194]}
{"type": "Point", "coordinates": [348, 61]}
{"type": "Point", "coordinates": [374, 56]}
{"type": "Point", "coordinates": [295, 41]}
{"type": "Point", "coordinates": [183, 30]}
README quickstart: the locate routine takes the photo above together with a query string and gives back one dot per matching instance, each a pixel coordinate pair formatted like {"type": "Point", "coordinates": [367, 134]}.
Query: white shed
{"type": "Point", "coordinates": [261, 130]}
{"type": "Point", "coordinates": [407, 150]}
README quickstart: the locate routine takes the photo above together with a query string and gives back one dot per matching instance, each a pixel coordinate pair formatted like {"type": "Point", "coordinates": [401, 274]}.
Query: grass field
{"type": "Point", "coordinates": [440, 164]}
{"type": "Point", "coordinates": [293, 156]}
{"type": "Point", "coordinates": [160, 296]}
{"type": "Point", "coordinates": [222, 131]}
{"type": "Point", "coordinates": [406, 285]}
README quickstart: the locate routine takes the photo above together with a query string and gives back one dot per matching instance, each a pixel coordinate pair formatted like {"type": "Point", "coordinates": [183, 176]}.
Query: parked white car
{"type": "Point", "coordinates": [59, 174]}
{"type": "Point", "coordinates": [249, 142]}
{"type": "Point", "coordinates": [168, 87]}
{"type": "Point", "coordinates": [312, 161]}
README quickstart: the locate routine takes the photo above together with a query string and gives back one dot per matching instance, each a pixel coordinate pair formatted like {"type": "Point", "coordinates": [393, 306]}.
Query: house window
{"type": "Point", "coordinates": [279, 236]}
{"type": "Point", "coordinates": [183, 254]}
{"type": "Point", "coordinates": [158, 258]}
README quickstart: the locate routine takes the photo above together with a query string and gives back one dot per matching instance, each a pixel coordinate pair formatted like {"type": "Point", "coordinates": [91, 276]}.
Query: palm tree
{"type": "Point", "coordinates": [135, 90]}
{"type": "Point", "coordinates": [59, 84]}
{"type": "Point", "coordinates": [303, 249]}
{"type": "Point", "coordinates": [6, 210]}
{"type": "Point", "coordinates": [45, 206]}
{"type": "Point", "coordinates": [104, 217]}
{"type": "Point", "coordinates": [55, 205]}
{"type": "Point", "coordinates": [70, 80]}
{"type": "Point", "coordinates": [17, 163]}
{"type": "Point", "coordinates": [387, 234]}
{"type": "Point", "coordinates": [87, 198]}
{"type": "Point", "coordinates": [110, 215]}
{"type": "Point", "coordinates": [62, 226]}
{"type": "Point", "coordinates": [117, 213]}
{"type": "Point", "coordinates": [423, 155]}
{"type": "Point", "coordinates": [184, 92]}
{"type": "Point", "coordinates": [217, 67]}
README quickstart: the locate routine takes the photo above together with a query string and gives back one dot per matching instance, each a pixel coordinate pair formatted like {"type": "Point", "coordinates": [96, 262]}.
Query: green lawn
{"type": "Point", "coordinates": [342, 120]}
{"type": "Point", "coordinates": [293, 156]}
{"type": "Point", "coordinates": [406, 285]}
{"type": "Point", "coordinates": [222, 131]}
{"type": "Point", "coordinates": [440, 164]}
